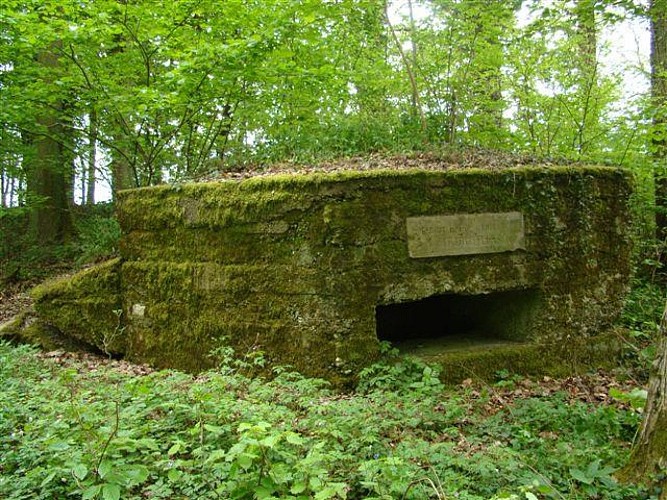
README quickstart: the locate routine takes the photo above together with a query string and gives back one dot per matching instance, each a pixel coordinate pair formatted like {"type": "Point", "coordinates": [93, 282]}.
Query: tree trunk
{"type": "Point", "coordinates": [122, 176]}
{"type": "Point", "coordinates": [658, 15]}
{"type": "Point", "coordinates": [587, 35]}
{"type": "Point", "coordinates": [4, 188]}
{"type": "Point", "coordinates": [650, 453]}
{"type": "Point", "coordinates": [92, 157]}
{"type": "Point", "coordinates": [413, 48]}
{"type": "Point", "coordinates": [411, 74]}
{"type": "Point", "coordinates": [584, 11]}
{"type": "Point", "coordinates": [49, 174]}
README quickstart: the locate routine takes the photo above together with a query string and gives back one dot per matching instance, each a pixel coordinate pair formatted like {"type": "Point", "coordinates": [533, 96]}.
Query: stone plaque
{"type": "Point", "coordinates": [465, 234]}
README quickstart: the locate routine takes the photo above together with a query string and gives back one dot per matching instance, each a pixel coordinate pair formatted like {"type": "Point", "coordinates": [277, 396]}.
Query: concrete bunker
{"type": "Point", "coordinates": [313, 269]}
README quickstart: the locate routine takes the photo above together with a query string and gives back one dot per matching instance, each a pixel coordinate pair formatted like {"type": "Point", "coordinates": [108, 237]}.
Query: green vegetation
{"type": "Point", "coordinates": [641, 316]}
{"type": "Point", "coordinates": [143, 92]}
{"type": "Point", "coordinates": [85, 429]}
{"type": "Point", "coordinates": [95, 237]}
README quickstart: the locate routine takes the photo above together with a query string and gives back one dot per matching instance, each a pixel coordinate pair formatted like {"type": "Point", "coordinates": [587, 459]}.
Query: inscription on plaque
{"type": "Point", "coordinates": [465, 234]}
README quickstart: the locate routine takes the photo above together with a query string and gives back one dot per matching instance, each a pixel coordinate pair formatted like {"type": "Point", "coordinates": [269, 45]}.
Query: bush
{"type": "Point", "coordinates": [641, 316]}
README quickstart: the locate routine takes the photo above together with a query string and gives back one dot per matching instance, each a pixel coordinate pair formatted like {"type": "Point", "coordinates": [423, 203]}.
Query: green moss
{"type": "Point", "coordinates": [296, 264]}
{"type": "Point", "coordinates": [99, 279]}
{"type": "Point", "coordinates": [223, 204]}
{"type": "Point", "coordinates": [12, 329]}
{"type": "Point", "coordinates": [482, 361]}
{"type": "Point", "coordinates": [246, 307]}
{"type": "Point", "coordinates": [28, 328]}
{"type": "Point", "coordinates": [85, 307]}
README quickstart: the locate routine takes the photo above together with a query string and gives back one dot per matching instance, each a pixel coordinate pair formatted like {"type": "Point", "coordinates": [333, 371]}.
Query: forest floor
{"type": "Point", "coordinates": [14, 298]}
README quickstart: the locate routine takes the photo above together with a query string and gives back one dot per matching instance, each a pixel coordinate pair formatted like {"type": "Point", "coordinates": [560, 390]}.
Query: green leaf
{"type": "Point", "coordinates": [137, 474]}
{"type": "Point", "coordinates": [174, 475]}
{"type": "Point", "coordinates": [111, 491]}
{"type": "Point", "coordinates": [245, 460]}
{"type": "Point", "coordinates": [80, 471]}
{"type": "Point", "coordinates": [331, 491]}
{"type": "Point", "coordinates": [270, 441]}
{"type": "Point", "coordinates": [294, 438]}
{"type": "Point", "coordinates": [105, 467]}
{"type": "Point", "coordinates": [48, 479]}
{"type": "Point", "coordinates": [216, 455]}
{"type": "Point", "coordinates": [264, 492]}
{"type": "Point", "coordinates": [175, 448]}
{"type": "Point", "coordinates": [91, 492]}
{"type": "Point", "coordinates": [581, 476]}
{"type": "Point", "coordinates": [593, 468]}
{"type": "Point", "coordinates": [244, 426]}
{"type": "Point", "coordinates": [298, 487]}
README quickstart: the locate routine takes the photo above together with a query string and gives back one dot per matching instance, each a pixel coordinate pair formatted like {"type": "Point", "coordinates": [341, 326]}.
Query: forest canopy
{"type": "Point", "coordinates": [140, 92]}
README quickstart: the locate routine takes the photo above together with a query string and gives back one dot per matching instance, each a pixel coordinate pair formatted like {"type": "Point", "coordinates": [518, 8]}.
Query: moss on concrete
{"type": "Point", "coordinates": [295, 265]}
{"type": "Point", "coordinates": [28, 328]}
{"type": "Point", "coordinates": [86, 307]}
{"type": "Point", "coordinates": [483, 361]}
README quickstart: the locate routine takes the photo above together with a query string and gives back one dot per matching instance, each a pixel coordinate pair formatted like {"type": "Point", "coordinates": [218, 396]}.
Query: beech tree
{"type": "Point", "coordinates": [658, 19]}
{"type": "Point", "coordinates": [47, 172]}
{"type": "Point", "coordinates": [36, 116]}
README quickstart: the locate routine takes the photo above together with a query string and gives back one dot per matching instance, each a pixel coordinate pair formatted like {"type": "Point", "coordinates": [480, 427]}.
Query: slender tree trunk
{"type": "Point", "coordinates": [4, 184]}
{"type": "Point", "coordinates": [413, 46]}
{"type": "Point", "coordinates": [658, 14]}
{"type": "Point", "coordinates": [12, 191]}
{"type": "Point", "coordinates": [587, 34]}
{"type": "Point", "coordinates": [410, 72]}
{"type": "Point", "coordinates": [587, 38]}
{"type": "Point", "coordinates": [92, 157]}
{"type": "Point", "coordinates": [223, 130]}
{"type": "Point", "coordinates": [122, 176]}
{"type": "Point", "coordinates": [20, 191]}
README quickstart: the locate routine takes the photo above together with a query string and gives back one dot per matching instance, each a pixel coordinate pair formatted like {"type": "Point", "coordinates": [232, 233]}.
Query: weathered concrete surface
{"type": "Point", "coordinates": [296, 266]}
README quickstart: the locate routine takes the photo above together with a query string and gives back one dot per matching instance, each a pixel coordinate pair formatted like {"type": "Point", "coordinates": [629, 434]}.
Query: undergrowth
{"type": "Point", "coordinates": [22, 259]}
{"type": "Point", "coordinates": [641, 316]}
{"type": "Point", "coordinates": [82, 432]}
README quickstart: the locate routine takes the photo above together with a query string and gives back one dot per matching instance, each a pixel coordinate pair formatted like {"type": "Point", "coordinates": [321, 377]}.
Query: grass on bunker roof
{"type": "Point", "coordinates": [440, 160]}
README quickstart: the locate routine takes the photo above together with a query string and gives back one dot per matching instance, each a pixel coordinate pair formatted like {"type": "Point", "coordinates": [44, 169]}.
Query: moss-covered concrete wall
{"type": "Point", "coordinates": [296, 265]}
{"type": "Point", "coordinates": [86, 308]}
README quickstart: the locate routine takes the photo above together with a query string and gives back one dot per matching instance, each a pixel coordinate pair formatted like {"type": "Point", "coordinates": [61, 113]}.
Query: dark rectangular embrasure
{"type": "Point", "coordinates": [506, 315]}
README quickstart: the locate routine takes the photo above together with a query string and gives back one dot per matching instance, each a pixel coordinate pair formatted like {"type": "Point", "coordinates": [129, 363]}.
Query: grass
{"type": "Point", "coordinates": [83, 428]}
